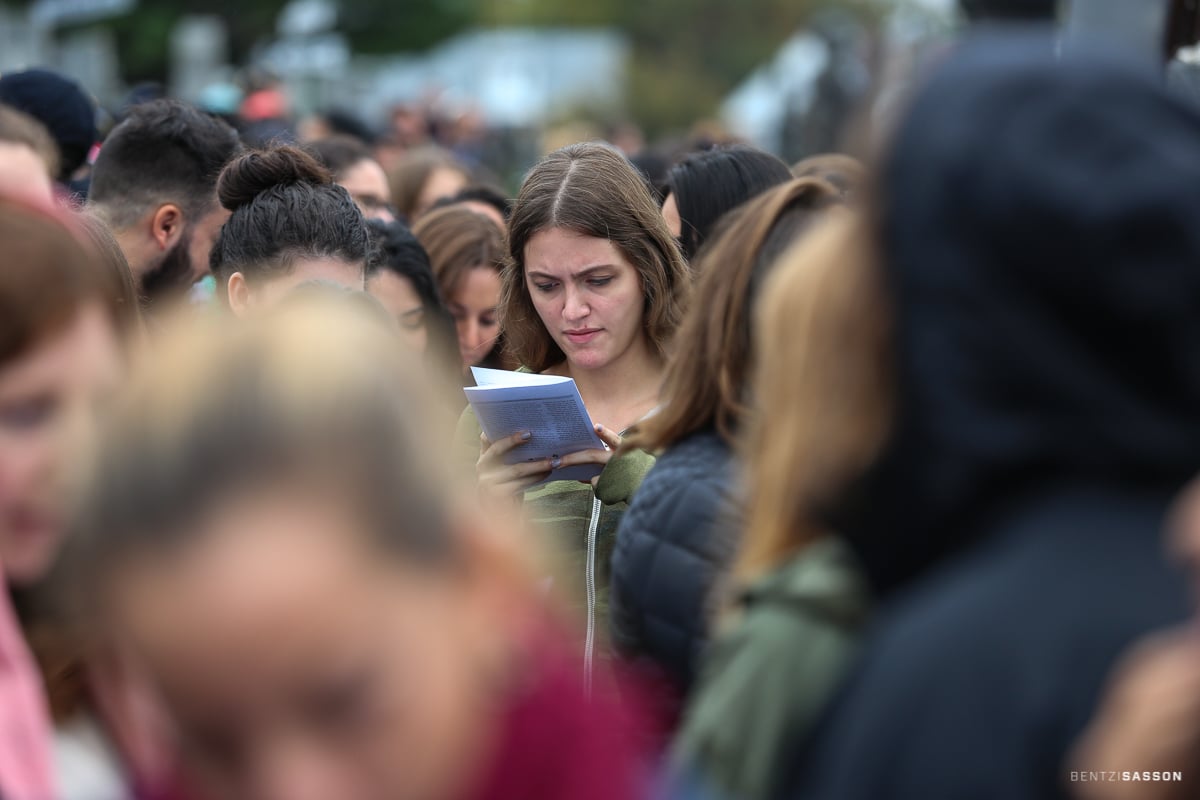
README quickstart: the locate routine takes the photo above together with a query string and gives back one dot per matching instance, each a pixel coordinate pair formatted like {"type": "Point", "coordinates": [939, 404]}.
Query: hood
{"type": "Point", "coordinates": [1040, 225]}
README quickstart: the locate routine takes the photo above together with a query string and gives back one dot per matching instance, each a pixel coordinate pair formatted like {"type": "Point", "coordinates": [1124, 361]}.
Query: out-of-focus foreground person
{"type": "Point", "coordinates": [1043, 284]}
{"type": "Point", "coordinates": [289, 223]}
{"type": "Point", "coordinates": [154, 185]}
{"type": "Point", "coordinates": [466, 250]}
{"type": "Point", "coordinates": [707, 185]}
{"type": "Point", "coordinates": [321, 611]}
{"type": "Point", "coordinates": [678, 537]}
{"type": "Point", "coordinates": [60, 357]}
{"type": "Point", "coordinates": [594, 290]}
{"type": "Point", "coordinates": [28, 158]}
{"type": "Point", "coordinates": [1149, 717]}
{"type": "Point", "coordinates": [798, 601]}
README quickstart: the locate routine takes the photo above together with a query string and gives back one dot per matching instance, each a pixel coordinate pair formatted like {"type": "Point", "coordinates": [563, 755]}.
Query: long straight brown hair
{"type": "Point", "coordinates": [822, 389]}
{"type": "Point", "coordinates": [593, 190]}
{"type": "Point", "coordinates": [705, 384]}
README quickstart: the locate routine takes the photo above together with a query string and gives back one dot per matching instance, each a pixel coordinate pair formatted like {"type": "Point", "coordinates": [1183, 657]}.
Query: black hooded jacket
{"type": "Point", "coordinates": [1040, 225]}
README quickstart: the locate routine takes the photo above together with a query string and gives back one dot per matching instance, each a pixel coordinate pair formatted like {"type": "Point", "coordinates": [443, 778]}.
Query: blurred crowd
{"type": "Point", "coordinates": [895, 498]}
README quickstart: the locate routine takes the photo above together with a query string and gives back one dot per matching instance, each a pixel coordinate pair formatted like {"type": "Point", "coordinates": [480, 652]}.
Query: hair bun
{"type": "Point", "coordinates": [250, 175]}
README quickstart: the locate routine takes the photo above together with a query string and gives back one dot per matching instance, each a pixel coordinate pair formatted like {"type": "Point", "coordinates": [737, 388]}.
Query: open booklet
{"type": "Point", "coordinates": [547, 406]}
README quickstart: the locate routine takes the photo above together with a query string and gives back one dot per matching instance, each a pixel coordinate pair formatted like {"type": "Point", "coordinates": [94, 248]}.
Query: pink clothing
{"type": "Point", "coordinates": [26, 737]}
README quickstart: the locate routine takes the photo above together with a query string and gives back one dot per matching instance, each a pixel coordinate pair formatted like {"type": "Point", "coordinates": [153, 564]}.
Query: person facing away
{"type": "Point", "coordinates": [154, 184]}
{"type": "Point", "coordinates": [318, 607]}
{"type": "Point", "coordinates": [1037, 238]}
{"type": "Point", "coordinates": [678, 536]}
{"type": "Point", "coordinates": [289, 224]}
{"type": "Point", "coordinates": [798, 602]}
{"type": "Point", "coordinates": [594, 289]}
{"type": "Point", "coordinates": [705, 186]}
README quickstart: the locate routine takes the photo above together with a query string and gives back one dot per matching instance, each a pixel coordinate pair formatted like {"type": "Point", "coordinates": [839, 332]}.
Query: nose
{"type": "Point", "coordinates": [575, 305]}
{"type": "Point", "coordinates": [470, 337]}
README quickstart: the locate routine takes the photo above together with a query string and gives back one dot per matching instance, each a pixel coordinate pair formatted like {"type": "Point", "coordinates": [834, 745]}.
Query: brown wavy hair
{"type": "Point", "coordinates": [592, 190]}
{"type": "Point", "coordinates": [705, 385]}
{"type": "Point", "coordinates": [822, 389]}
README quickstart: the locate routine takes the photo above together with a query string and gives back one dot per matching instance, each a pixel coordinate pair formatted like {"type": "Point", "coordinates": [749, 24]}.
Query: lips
{"type": "Point", "coordinates": [583, 335]}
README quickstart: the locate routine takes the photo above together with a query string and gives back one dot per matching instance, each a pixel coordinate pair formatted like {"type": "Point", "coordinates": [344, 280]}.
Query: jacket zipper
{"type": "Point", "coordinates": [589, 646]}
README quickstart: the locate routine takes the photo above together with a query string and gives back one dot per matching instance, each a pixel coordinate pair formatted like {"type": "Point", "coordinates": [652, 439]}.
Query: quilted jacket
{"type": "Point", "coordinates": [675, 543]}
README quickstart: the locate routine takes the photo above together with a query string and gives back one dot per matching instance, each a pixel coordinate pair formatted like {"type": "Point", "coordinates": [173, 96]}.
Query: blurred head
{"type": "Point", "coordinates": [60, 105]}
{"type": "Point", "coordinates": [821, 390]}
{"type": "Point", "coordinates": [59, 357]}
{"type": "Point", "coordinates": [424, 176]}
{"type": "Point", "coordinates": [28, 158]}
{"type": "Point", "coordinates": [1045, 335]}
{"type": "Point", "coordinates": [705, 385]}
{"type": "Point", "coordinates": [481, 199]}
{"type": "Point", "coordinates": [289, 223]}
{"type": "Point", "coordinates": [400, 277]}
{"type": "Point", "coordinates": [705, 186]}
{"type": "Point", "coordinates": [844, 173]}
{"type": "Point", "coordinates": [154, 185]}
{"type": "Point", "coordinates": [592, 269]}
{"type": "Point", "coordinates": [269, 530]}
{"type": "Point", "coordinates": [113, 271]}
{"type": "Point", "coordinates": [467, 251]}
{"type": "Point", "coordinates": [355, 169]}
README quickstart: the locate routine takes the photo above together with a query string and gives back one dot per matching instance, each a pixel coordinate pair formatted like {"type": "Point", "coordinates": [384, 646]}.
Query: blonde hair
{"type": "Point", "coordinates": [822, 389]}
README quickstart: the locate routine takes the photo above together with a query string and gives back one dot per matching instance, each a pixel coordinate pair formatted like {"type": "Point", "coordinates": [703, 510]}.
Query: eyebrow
{"type": "Point", "coordinates": [581, 274]}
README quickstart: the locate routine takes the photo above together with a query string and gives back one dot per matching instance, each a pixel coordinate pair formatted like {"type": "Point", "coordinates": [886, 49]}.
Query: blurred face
{"type": "Point", "coordinates": [670, 212]}
{"type": "Point", "coordinates": [1184, 535]}
{"type": "Point", "coordinates": [473, 306]}
{"type": "Point", "coordinates": [203, 237]}
{"type": "Point", "coordinates": [267, 292]}
{"type": "Point", "coordinates": [442, 182]}
{"type": "Point", "coordinates": [23, 175]}
{"type": "Point", "coordinates": [587, 294]}
{"type": "Point", "coordinates": [397, 295]}
{"type": "Point", "coordinates": [367, 184]}
{"type": "Point", "coordinates": [297, 664]}
{"type": "Point", "coordinates": [48, 402]}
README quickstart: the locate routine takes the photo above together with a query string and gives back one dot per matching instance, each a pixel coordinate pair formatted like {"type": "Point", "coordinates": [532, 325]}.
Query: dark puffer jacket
{"type": "Point", "coordinates": [674, 544]}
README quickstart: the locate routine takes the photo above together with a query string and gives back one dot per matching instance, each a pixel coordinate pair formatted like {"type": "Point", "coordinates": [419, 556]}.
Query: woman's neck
{"type": "Point", "coordinates": [621, 392]}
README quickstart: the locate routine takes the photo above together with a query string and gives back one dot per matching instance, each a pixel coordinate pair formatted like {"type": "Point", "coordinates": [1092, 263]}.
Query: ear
{"type": "Point", "coordinates": [240, 299]}
{"type": "Point", "coordinates": [166, 226]}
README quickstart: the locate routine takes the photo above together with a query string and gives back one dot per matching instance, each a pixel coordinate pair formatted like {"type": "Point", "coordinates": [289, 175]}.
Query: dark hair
{"type": "Point", "coordinates": [593, 190]}
{"type": "Point", "coordinates": [395, 249]}
{"type": "Point", "coordinates": [339, 153]}
{"type": "Point", "coordinates": [17, 127]}
{"type": "Point", "coordinates": [705, 384]}
{"type": "Point", "coordinates": [708, 185]}
{"type": "Point", "coordinates": [1015, 10]}
{"type": "Point", "coordinates": [164, 152]}
{"type": "Point", "coordinates": [479, 193]}
{"type": "Point", "coordinates": [285, 207]}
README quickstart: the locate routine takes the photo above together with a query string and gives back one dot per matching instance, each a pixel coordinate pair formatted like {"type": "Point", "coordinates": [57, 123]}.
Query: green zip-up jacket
{"type": "Point", "coordinates": [563, 512]}
{"type": "Point", "coordinates": [768, 675]}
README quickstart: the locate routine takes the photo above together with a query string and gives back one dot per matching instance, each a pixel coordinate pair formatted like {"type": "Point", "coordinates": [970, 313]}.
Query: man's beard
{"type": "Point", "coordinates": [170, 279]}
